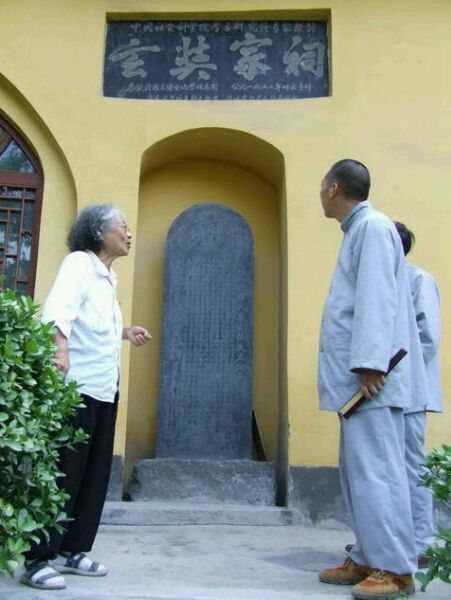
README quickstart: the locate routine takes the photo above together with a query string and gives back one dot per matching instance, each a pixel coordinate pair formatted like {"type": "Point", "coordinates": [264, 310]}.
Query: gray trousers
{"type": "Point", "coordinates": [376, 489]}
{"type": "Point", "coordinates": [420, 497]}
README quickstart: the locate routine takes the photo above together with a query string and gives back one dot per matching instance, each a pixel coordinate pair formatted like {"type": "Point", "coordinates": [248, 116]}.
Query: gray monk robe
{"type": "Point", "coordinates": [426, 303]}
{"type": "Point", "coordinates": [368, 316]}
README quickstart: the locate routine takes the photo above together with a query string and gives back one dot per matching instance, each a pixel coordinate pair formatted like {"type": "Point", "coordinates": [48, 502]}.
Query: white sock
{"type": "Point", "coordinates": [47, 570]}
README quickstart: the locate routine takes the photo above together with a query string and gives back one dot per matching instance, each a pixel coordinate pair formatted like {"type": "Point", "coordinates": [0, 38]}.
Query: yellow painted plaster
{"type": "Point", "coordinates": [390, 108]}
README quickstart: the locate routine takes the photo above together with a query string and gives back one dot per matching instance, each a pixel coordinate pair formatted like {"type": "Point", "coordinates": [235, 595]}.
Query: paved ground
{"type": "Point", "coordinates": [209, 562]}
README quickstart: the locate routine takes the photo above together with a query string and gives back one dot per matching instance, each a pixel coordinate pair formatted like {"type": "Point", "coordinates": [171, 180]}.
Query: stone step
{"type": "Point", "coordinates": [164, 513]}
{"type": "Point", "coordinates": [202, 481]}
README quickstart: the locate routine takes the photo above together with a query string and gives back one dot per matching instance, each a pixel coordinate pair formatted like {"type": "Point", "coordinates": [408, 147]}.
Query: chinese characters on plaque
{"type": "Point", "coordinates": [216, 60]}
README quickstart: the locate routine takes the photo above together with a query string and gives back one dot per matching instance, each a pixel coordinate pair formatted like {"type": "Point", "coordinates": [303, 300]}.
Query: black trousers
{"type": "Point", "coordinates": [87, 471]}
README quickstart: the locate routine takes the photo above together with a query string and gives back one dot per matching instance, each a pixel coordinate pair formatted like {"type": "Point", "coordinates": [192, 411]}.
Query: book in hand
{"type": "Point", "coordinates": [351, 405]}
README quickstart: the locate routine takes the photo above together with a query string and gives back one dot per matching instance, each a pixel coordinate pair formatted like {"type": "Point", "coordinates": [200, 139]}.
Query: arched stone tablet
{"type": "Point", "coordinates": [205, 395]}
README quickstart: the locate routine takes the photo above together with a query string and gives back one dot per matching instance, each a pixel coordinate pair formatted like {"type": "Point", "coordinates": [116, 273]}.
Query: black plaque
{"type": "Point", "coordinates": [205, 395]}
{"type": "Point", "coordinates": [216, 60]}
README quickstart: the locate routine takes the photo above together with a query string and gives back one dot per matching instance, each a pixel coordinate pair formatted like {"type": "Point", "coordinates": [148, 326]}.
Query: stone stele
{"type": "Point", "coordinates": [205, 392]}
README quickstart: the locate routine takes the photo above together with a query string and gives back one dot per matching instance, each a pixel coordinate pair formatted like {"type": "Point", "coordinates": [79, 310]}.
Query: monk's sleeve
{"type": "Point", "coordinates": [376, 297]}
{"type": "Point", "coordinates": [427, 311]}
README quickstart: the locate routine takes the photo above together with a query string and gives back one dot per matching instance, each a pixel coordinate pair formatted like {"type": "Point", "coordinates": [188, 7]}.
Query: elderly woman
{"type": "Point", "coordinates": [84, 306]}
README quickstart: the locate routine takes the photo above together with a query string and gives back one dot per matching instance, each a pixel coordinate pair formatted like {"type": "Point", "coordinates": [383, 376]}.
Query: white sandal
{"type": "Point", "coordinates": [78, 564]}
{"type": "Point", "coordinates": [40, 575]}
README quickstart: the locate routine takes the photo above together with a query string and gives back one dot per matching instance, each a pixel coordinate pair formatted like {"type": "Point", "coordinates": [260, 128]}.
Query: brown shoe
{"type": "Point", "coordinates": [348, 574]}
{"type": "Point", "coordinates": [382, 585]}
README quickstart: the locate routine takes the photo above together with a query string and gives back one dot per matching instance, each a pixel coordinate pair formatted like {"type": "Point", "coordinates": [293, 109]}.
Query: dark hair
{"type": "Point", "coordinates": [407, 237]}
{"type": "Point", "coordinates": [91, 222]}
{"type": "Point", "coordinates": [352, 177]}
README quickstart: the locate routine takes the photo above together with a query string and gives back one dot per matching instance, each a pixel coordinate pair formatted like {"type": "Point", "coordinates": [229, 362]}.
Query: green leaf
{"type": "Point", "coordinates": [29, 525]}
{"type": "Point", "coordinates": [29, 446]}
{"type": "Point", "coordinates": [11, 444]}
{"type": "Point", "coordinates": [22, 517]}
{"type": "Point", "coordinates": [8, 510]}
{"type": "Point", "coordinates": [11, 566]}
{"type": "Point", "coordinates": [423, 579]}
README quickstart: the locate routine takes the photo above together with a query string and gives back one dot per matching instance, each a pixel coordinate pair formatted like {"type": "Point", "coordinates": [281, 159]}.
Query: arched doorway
{"type": "Point", "coordinates": [246, 174]}
{"type": "Point", "coordinates": [21, 185]}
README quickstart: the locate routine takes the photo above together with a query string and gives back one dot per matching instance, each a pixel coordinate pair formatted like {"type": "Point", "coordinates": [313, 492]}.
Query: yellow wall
{"type": "Point", "coordinates": [390, 108]}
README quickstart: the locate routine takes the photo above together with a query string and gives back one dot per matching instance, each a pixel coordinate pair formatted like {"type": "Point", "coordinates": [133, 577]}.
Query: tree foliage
{"type": "Point", "coordinates": [35, 410]}
{"type": "Point", "coordinates": [438, 479]}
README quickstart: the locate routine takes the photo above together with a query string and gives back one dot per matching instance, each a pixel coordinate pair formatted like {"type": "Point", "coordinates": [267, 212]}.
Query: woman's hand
{"type": "Point", "coordinates": [136, 335]}
{"type": "Point", "coordinates": [61, 358]}
{"type": "Point", "coordinates": [61, 361]}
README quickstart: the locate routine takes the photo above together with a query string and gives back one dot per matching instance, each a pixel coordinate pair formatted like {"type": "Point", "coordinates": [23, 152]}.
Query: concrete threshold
{"type": "Point", "coordinates": [148, 513]}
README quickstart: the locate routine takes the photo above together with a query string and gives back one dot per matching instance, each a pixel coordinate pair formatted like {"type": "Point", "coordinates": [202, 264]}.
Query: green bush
{"type": "Point", "coordinates": [438, 479]}
{"type": "Point", "coordinates": [35, 407]}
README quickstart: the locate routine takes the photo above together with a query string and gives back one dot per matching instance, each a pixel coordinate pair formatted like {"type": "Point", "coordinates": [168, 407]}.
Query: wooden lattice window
{"type": "Point", "coordinates": [21, 183]}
